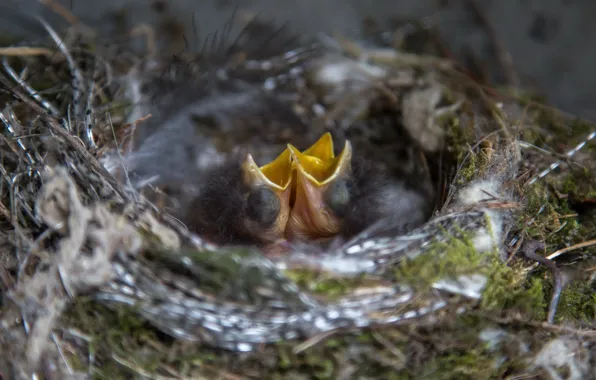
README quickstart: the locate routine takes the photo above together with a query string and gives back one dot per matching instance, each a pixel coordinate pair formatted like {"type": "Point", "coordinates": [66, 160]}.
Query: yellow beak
{"type": "Point", "coordinates": [315, 170]}
{"type": "Point", "coordinates": [300, 180]}
{"type": "Point", "coordinates": [277, 177]}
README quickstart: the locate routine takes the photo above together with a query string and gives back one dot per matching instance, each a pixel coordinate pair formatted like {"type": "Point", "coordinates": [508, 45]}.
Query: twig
{"type": "Point", "coordinates": [4, 211]}
{"type": "Point", "coordinates": [224, 374]}
{"type": "Point", "coordinates": [25, 51]}
{"type": "Point", "coordinates": [77, 78]}
{"type": "Point", "coordinates": [5, 279]}
{"type": "Point", "coordinates": [389, 346]}
{"type": "Point", "coordinates": [312, 341]}
{"type": "Point", "coordinates": [75, 144]}
{"type": "Point", "coordinates": [568, 155]}
{"type": "Point", "coordinates": [588, 334]}
{"type": "Point", "coordinates": [516, 249]}
{"type": "Point", "coordinates": [392, 57]}
{"type": "Point", "coordinates": [30, 90]}
{"type": "Point", "coordinates": [559, 156]}
{"type": "Point", "coordinates": [503, 56]}
{"type": "Point", "coordinates": [561, 251]}
{"type": "Point", "coordinates": [530, 252]}
{"type": "Point", "coordinates": [61, 352]}
{"type": "Point", "coordinates": [124, 168]}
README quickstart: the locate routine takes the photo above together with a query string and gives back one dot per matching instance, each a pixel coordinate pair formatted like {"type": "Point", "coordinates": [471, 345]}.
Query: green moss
{"type": "Point", "coordinates": [549, 218]}
{"type": "Point", "coordinates": [576, 132]}
{"type": "Point", "coordinates": [459, 137]}
{"type": "Point", "coordinates": [449, 259]}
{"type": "Point", "coordinates": [469, 364]}
{"type": "Point", "coordinates": [326, 285]}
{"type": "Point", "coordinates": [509, 289]}
{"type": "Point", "coordinates": [468, 170]}
{"type": "Point", "coordinates": [236, 267]}
{"type": "Point", "coordinates": [578, 302]}
{"type": "Point", "coordinates": [562, 129]}
{"type": "Point", "coordinates": [526, 98]}
{"type": "Point", "coordinates": [327, 359]}
{"type": "Point", "coordinates": [578, 183]}
{"type": "Point", "coordinates": [121, 333]}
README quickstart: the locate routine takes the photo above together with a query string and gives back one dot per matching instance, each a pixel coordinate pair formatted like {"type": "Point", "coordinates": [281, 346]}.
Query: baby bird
{"type": "Point", "coordinates": [243, 203]}
{"type": "Point", "coordinates": [308, 196]}
{"type": "Point", "coordinates": [340, 196]}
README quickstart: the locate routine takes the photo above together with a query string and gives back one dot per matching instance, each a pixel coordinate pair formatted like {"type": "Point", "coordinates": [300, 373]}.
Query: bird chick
{"type": "Point", "coordinates": [340, 196]}
{"type": "Point", "coordinates": [300, 196]}
{"type": "Point", "coordinates": [308, 196]}
{"type": "Point", "coordinates": [243, 203]}
{"type": "Point", "coordinates": [321, 192]}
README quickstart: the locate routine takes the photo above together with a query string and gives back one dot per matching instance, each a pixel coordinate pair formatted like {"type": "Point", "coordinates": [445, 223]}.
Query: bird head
{"type": "Point", "coordinates": [301, 195]}
{"type": "Point", "coordinates": [268, 201]}
{"type": "Point", "coordinates": [320, 190]}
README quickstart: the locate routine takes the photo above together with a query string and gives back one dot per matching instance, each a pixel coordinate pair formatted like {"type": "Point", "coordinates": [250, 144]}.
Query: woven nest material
{"type": "Point", "coordinates": [99, 280]}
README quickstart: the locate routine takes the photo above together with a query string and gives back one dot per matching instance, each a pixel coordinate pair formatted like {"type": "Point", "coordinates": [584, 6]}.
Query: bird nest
{"type": "Point", "coordinates": [99, 280]}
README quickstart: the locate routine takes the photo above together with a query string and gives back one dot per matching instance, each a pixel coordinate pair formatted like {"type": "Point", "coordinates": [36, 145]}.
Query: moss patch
{"type": "Point", "coordinates": [447, 259]}
{"type": "Point", "coordinates": [328, 286]}
{"type": "Point", "coordinates": [509, 289]}
{"type": "Point", "coordinates": [578, 303]}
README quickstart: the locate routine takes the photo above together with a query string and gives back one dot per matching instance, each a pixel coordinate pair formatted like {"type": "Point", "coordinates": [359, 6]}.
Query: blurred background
{"type": "Point", "coordinates": [552, 42]}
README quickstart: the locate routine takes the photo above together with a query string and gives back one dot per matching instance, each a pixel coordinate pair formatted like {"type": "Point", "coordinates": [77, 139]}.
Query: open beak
{"type": "Point", "coordinates": [315, 169]}
{"type": "Point", "coordinates": [277, 177]}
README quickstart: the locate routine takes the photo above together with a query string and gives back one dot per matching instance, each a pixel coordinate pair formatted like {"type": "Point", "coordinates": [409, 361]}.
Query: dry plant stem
{"type": "Point", "coordinates": [25, 51]}
{"type": "Point", "coordinates": [562, 251]}
{"type": "Point", "coordinates": [395, 59]}
{"type": "Point", "coordinates": [55, 127]}
{"type": "Point", "coordinates": [389, 346]}
{"type": "Point", "coordinates": [572, 248]}
{"type": "Point", "coordinates": [312, 342]}
{"type": "Point", "coordinates": [5, 279]}
{"type": "Point", "coordinates": [530, 252]}
{"type": "Point", "coordinates": [139, 370]}
{"type": "Point", "coordinates": [568, 155]}
{"type": "Point", "coordinates": [586, 334]}
{"type": "Point", "coordinates": [4, 211]}
{"type": "Point", "coordinates": [504, 57]}
{"type": "Point", "coordinates": [44, 296]}
{"type": "Point", "coordinates": [30, 90]}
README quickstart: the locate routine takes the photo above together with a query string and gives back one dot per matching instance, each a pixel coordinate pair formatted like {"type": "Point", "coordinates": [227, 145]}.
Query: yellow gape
{"type": "Point", "coordinates": [300, 180]}
{"type": "Point", "coordinates": [277, 177]}
{"type": "Point", "coordinates": [315, 170]}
